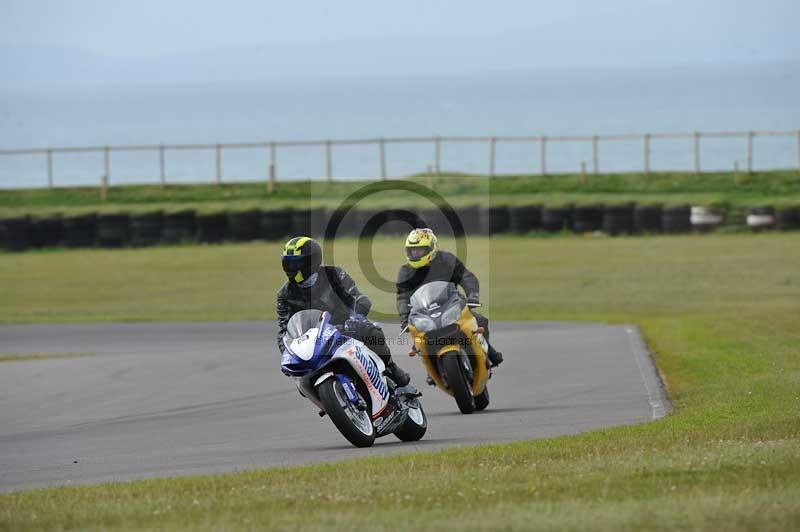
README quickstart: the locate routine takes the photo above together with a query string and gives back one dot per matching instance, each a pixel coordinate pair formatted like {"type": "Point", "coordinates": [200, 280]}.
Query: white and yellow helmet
{"type": "Point", "coordinates": [420, 247]}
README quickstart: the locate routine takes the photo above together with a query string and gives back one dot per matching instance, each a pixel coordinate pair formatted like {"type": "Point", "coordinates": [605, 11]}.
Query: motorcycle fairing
{"type": "Point", "coordinates": [369, 367]}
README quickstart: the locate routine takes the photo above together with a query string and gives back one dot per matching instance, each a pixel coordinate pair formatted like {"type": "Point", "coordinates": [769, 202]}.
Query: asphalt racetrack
{"type": "Point", "coordinates": [165, 399]}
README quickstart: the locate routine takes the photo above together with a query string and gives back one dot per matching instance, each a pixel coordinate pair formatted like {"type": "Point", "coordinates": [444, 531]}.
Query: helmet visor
{"type": "Point", "coordinates": [292, 265]}
{"type": "Point", "coordinates": [417, 252]}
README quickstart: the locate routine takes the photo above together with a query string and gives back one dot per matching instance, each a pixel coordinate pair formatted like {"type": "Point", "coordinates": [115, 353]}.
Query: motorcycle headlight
{"type": "Point", "coordinates": [423, 323]}
{"type": "Point", "coordinates": [451, 315]}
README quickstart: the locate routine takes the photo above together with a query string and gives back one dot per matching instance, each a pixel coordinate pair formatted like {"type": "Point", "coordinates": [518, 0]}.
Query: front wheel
{"type": "Point", "coordinates": [354, 424]}
{"type": "Point", "coordinates": [482, 399]}
{"type": "Point", "coordinates": [415, 425]}
{"type": "Point", "coordinates": [457, 381]}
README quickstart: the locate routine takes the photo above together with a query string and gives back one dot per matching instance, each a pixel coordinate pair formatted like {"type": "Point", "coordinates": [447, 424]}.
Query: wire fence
{"type": "Point", "coordinates": [436, 143]}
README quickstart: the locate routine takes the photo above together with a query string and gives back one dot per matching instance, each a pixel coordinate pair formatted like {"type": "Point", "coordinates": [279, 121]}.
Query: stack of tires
{"type": "Point", "coordinates": [212, 228]}
{"type": "Point", "coordinates": [179, 227]}
{"type": "Point", "coordinates": [156, 227]}
{"type": "Point", "coordinates": [524, 219]}
{"type": "Point", "coordinates": [555, 219]}
{"type": "Point", "coordinates": [648, 218]}
{"type": "Point", "coordinates": [15, 233]}
{"type": "Point", "coordinates": [587, 218]}
{"type": "Point", "coordinates": [618, 219]}
{"type": "Point", "coordinates": [761, 219]}
{"type": "Point", "coordinates": [113, 230]}
{"type": "Point", "coordinates": [80, 231]}
{"type": "Point", "coordinates": [147, 228]}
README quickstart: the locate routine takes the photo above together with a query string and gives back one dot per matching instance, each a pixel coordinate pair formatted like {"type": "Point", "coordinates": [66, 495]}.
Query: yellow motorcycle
{"type": "Point", "coordinates": [450, 344]}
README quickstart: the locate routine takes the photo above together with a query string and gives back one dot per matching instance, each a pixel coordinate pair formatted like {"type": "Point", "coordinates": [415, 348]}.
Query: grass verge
{"type": "Point", "coordinates": [720, 189]}
{"type": "Point", "coordinates": [41, 356]}
{"type": "Point", "coordinates": [720, 313]}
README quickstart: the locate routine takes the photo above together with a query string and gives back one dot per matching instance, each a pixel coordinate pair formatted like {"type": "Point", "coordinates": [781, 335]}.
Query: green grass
{"type": "Point", "coordinates": [722, 189]}
{"type": "Point", "coordinates": [16, 357]}
{"type": "Point", "coordinates": [720, 313]}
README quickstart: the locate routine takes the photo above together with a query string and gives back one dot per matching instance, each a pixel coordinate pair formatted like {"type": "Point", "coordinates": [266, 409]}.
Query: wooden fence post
{"type": "Point", "coordinates": [272, 169]}
{"type": "Point", "coordinates": [162, 165]}
{"type": "Point", "coordinates": [750, 136]}
{"type": "Point", "coordinates": [595, 155]}
{"type": "Point", "coordinates": [219, 164]}
{"type": "Point", "coordinates": [50, 167]}
{"type": "Point", "coordinates": [492, 152]}
{"type": "Point", "coordinates": [437, 166]}
{"type": "Point", "coordinates": [382, 146]}
{"type": "Point", "coordinates": [543, 154]}
{"type": "Point", "coordinates": [328, 162]}
{"type": "Point", "coordinates": [107, 162]}
{"type": "Point", "coordinates": [697, 152]}
{"type": "Point", "coordinates": [647, 153]}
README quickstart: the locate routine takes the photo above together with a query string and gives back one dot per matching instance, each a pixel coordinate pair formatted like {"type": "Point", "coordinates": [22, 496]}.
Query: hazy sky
{"type": "Point", "coordinates": [458, 35]}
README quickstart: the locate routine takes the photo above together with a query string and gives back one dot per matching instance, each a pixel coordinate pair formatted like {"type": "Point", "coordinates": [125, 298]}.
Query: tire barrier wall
{"type": "Point", "coordinates": [179, 227]}
{"type": "Point", "coordinates": [153, 228]}
{"type": "Point", "coordinates": [587, 218]}
{"type": "Point", "coordinates": [147, 228]}
{"type": "Point", "coordinates": [676, 219]}
{"type": "Point", "coordinates": [555, 219]}
{"type": "Point", "coordinates": [113, 230]}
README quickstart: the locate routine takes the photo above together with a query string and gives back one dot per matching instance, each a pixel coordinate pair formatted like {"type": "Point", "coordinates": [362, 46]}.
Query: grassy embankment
{"type": "Point", "coordinates": [718, 189]}
{"type": "Point", "coordinates": [719, 312]}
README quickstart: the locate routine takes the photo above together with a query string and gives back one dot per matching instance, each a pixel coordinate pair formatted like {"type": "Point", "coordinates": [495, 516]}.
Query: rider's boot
{"type": "Point", "coordinates": [495, 356]}
{"type": "Point", "coordinates": [397, 374]}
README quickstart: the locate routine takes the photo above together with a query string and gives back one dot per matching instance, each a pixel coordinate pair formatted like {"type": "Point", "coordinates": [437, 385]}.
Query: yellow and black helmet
{"type": "Point", "coordinates": [420, 247]}
{"type": "Point", "coordinates": [301, 258]}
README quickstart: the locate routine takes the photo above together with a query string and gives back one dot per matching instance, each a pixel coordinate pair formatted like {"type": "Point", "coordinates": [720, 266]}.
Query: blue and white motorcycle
{"type": "Point", "coordinates": [346, 381]}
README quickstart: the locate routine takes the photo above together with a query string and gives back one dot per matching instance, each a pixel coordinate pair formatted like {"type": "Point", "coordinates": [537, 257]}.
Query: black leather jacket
{"type": "Point", "coordinates": [334, 291]}
{"type": "Point", "coordinates": [444, 267]}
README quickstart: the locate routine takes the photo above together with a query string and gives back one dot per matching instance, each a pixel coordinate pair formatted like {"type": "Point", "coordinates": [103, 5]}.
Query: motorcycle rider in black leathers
{"type": "Point", "coordinates": [426, 264]}
{"type": "Point", "coordinates": [313, 286]}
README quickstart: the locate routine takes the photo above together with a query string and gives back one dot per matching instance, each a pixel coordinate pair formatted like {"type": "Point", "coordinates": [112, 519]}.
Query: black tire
{"type": "Point", "coordinates": [212, 228]}
{"type": "Point", "coordinates": [113, 230]}
{"type": "Point", "coordinates": [410, 430]}
{"type": "Point", "coordinates": [676, 219]}
{"type": "Point", "coordinates": [245, 226]}
{"type": "Point", "coordinates": [277, 225]}
{"type": "Point", "coordinates": [482, 399]}
{"type": "Point", "coordinates": [15, 233]}
{"type": "Point", "coordinates": [470, 218]}
{"type": "Point", "coordinates": [147, 228]}
{"type": "Point", "coordinates": [80, 231]}
{"type": "Point", "coordinates": [587, 218]}
{"type": "Point", "coordinates": [647, 218]}
{"type": "Point", "coordinates": [788, 218]}
{"type": "Point", "coordinates": [457, 382]}
{"type": "Point", "coordinates": [179, 227]}
{"type": "Point", "coordinates": [555, 219]}
{"type": "Point", "coordinates": [524, 219]}
{"type": "Point", "coordinates": [498, 220]}
{"type": "Point", "coordinates": [618, 219]}
{"type": "Point", "coordinates": [47, 232]}
{"type": "Point", "coordinates": [335, 410]}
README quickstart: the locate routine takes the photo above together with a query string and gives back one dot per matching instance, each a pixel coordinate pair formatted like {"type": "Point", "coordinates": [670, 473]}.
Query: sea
{"type": "Point", "coordinates": [591, 101]}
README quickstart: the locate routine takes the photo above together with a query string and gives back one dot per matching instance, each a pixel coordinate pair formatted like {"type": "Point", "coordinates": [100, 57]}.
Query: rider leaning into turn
{"type": "Point", "coordinates": [330, 288]}
{"type": "Point", "coordinates": [426, 264]}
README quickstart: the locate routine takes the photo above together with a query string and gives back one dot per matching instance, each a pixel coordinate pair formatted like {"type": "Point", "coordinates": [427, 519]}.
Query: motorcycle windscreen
{"type": "Point", "coordinates": [300, 322]}
{"type": "Point", "coordinates": [433, 295]}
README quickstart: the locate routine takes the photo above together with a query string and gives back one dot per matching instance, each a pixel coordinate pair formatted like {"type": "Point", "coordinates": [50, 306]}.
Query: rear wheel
{"type": "Point", "coordinates": [455, 372]}
{"type": "Point", "coordinates": [354, 424]}
{"type": "Point", "coordinates": [482, 399]}
{"type": "Point", "coordinates": [415, 425]}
